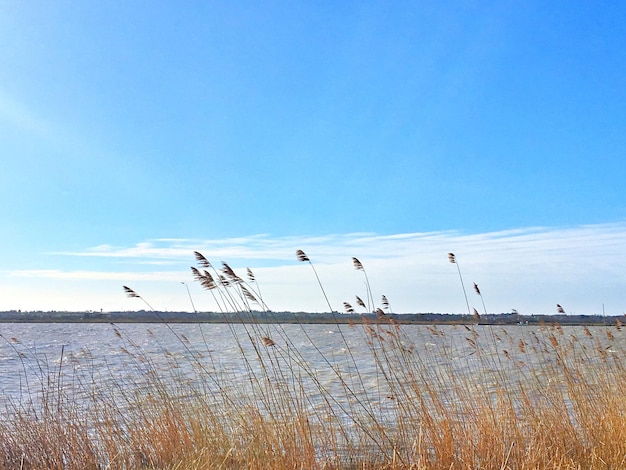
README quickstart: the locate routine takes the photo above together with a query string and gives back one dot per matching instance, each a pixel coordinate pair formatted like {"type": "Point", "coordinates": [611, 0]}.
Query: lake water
{"type": "Point", "coordinates": [343, 361]}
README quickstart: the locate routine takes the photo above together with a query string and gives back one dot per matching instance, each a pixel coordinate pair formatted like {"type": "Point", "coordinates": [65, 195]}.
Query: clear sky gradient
{"type": "Point", "coordinates": [133, 133]}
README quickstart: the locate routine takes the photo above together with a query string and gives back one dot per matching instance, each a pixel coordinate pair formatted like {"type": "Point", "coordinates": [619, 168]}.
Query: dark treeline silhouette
{"type": "Point", "coordinates": [147, 316]}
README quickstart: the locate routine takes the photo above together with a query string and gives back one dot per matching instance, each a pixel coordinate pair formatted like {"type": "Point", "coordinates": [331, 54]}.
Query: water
{"type": "Point", "coordinates": [84, 360]}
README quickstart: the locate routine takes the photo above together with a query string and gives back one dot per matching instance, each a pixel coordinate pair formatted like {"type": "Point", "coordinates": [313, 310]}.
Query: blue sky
{"type": "Point", "coordinates": [133, 133]}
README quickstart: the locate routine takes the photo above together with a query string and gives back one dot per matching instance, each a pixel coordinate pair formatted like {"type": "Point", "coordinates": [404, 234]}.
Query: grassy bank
{"type": "Point", "coordinates": [550, 399]}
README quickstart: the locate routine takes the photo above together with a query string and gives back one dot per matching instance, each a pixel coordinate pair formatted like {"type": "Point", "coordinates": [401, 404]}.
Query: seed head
{"type": "Point", "coordinates": [476, 314]}
{"type": "Point", "coordinates": [202, 261]}
{"type": "Point", "coordinates": [130, 292]}
{"type": "Point", "coordinates": [267, 341]}
{"type": "Point", "coordinates": [357, 264]}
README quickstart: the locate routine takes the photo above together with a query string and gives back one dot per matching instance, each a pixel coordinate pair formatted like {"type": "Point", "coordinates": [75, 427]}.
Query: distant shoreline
{"type": "Point", "coordinates": [143, 316]}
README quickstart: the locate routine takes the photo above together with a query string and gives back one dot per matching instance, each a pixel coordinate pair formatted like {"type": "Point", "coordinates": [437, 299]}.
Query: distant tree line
{"type": "Point", "coordinates": [143, 316]}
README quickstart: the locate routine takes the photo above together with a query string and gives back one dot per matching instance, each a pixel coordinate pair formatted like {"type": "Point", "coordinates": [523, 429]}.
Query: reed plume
{"type": "Point", "coordinates": [302, 257]}
{"type": "Point", "coordinates": [257, 291]}
{"type": "Point", "coordinates": [452, 259]}
{"type": "Point", "coordinates": [207, 281]}
{"type": "Point", "coordinates": [267, 341]}
{"type": "Point", "coordinates": [229, 278]}
{"type": "Point", "coordinates": [385, 303]}
{"type": "Point", "coordinates": [477, 290]}
{"type": "Point", "coordinates": [359, 267]}
{"type": "Point", "coordinates": [218, 282]}
{"type": "Point", "coordinates": [132, 294]}
{"type": "Point", "coordinates": [230, 274]}
{"type": "Point", "coordinates": [476, 315]}
{"type": "Point", "coordinates": [202, 261]}
{"type": "Point", "coordinates": [249, 295]}
{"type": "Point", "coordinates": [204, 278]}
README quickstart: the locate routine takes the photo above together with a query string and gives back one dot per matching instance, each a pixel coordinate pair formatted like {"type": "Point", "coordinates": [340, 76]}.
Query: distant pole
{"type": "Point", "coordinates": [190, 299]}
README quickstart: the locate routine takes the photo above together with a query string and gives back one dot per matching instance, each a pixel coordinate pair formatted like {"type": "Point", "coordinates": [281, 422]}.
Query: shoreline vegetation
{"type": "Point", "coordinates": [487, 397]}
{"type": "Point", "coordinates": [476, 395]}
{"type": "Point", "coordinates": [150, 316]}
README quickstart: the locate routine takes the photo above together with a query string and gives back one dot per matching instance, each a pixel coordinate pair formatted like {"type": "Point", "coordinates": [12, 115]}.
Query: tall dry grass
{"type": "Point", "coordinates": [466, 397]}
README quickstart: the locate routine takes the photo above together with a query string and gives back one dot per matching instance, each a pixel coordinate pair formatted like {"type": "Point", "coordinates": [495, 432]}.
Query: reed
{"type": "Point", "coordinates": [370, 298]}
{"type": "Point", "coordinates": [453, 260]}
{"type": "Point", "coordinates": [302, 257]}
{"type": "Point", "coordinates": [433, 397]}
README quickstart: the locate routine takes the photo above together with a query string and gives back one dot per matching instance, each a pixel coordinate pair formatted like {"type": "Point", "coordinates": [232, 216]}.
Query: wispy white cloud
{"type": "Point", "coordinates": [525, 246]}
{"type": "Point", "coordinates": [100, 275]}
{"type": "Point", "coordinates": [530, 269]}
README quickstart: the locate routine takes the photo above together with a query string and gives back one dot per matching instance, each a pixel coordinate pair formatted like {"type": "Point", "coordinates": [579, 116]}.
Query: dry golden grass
{"type": "Point", "coordinates": [552, 399]}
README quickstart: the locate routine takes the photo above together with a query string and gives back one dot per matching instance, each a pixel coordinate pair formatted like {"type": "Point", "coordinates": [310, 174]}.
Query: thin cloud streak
{"type": "Point", "coordinates": [548, 243]}
{"type": "Point", "coordinates": [100, 275]}
{"type": "Point", "coordinates": [529, 269]}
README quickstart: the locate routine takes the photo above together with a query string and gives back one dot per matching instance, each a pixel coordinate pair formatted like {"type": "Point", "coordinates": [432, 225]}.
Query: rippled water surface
{"type": "Point", "coordinates": [81, 358]}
